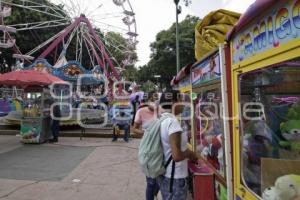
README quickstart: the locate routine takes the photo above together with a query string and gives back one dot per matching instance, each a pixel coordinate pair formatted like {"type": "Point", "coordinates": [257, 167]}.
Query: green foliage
{"type": "Point", "coordinates": [111, 39]}
{"type": "Point", "coordinates": [148, 86]}
{"type": "Point", "coordinates": [130, 73]}
{"type": "Point", "coordinates": [163, 56]}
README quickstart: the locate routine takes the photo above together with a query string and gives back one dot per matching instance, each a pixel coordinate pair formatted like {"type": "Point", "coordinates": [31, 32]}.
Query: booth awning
{"type": "Point", "coordinates": [183, 73]}
{"type": "Point", "coordinates": [27, 78]}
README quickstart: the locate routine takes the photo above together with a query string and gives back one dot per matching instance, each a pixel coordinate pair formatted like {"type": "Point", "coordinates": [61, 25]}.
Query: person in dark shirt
{"type": "Point", "coordinates": [55, 123]}
{"type": "Point", "coordinates": [135, 105]}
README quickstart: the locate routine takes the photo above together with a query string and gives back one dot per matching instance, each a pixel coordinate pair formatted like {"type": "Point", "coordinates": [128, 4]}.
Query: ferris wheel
{"type": "Point", "coordinates": [95, 29]}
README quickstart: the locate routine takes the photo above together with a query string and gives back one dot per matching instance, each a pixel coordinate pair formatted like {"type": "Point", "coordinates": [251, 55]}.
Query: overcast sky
{"type": "Point", "coordinates": [152, 16]}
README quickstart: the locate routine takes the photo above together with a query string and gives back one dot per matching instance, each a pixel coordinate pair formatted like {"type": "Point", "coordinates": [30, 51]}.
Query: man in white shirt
{"type": "Point", "coordinates": [174, 143]}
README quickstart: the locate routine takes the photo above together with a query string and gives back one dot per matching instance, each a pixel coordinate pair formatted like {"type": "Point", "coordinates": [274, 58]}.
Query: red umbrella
{"type": "Point", "coordinates": [26, 78]}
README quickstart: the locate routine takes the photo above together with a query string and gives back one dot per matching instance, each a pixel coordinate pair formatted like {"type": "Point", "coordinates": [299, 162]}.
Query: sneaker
{"type": "Point", "coordinates": [114, 139]}
{"type": "Point", "coordinates": [50, 141]}
{"type": "Point", "coordinates": [126, 140]}
{"type": "Point", "coordinates": [53, 140]}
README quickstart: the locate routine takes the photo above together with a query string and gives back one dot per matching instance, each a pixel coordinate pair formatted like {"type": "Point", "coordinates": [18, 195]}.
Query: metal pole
{"type": "Point", "coordinates": [1, 18]}
{"type": "Point", "coordinates": [177, 36]}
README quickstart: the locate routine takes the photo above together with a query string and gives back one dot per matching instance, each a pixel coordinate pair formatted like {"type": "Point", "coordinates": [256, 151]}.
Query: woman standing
{"type": "Point", "coordinates": [144, 116]}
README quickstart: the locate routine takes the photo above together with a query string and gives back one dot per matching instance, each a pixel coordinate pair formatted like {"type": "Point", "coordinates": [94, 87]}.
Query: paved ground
{"type": "Point", "coordinates": [94, 168]}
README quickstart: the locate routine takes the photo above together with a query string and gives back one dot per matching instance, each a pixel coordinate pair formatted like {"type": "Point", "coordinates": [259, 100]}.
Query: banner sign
{"type": "Point", "coordinates": [279, 26]}
{"type": "Point", "coordinates": [207, 70]}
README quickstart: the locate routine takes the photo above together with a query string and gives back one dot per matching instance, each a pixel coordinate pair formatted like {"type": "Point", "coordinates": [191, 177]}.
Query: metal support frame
{"type": "Point", "coordinates": [41, 25]}
{"type": "Point", "coordinates": [75, 24]}
{"type": "Point", "coordinates": [92, 56]}
{"type": "Point", "coordinates": [101, 45]}
{"type": "Point", "coordinates": [88, 39]}
{"type": "Point", "coordinates": [178, 11]}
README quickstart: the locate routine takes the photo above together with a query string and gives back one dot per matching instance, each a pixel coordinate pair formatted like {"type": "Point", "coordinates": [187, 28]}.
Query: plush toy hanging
{"type": "Point", "coordinates": [290, 129]}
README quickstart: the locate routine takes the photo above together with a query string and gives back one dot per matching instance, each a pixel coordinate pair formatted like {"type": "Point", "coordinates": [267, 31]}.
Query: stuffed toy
{"type": "Point", "coordinates": [210, 148]}
{"type": "Point", "coordinates": [286, 187]}
{"type": "Point", "coordinates": [294, 111]}
{"type": "Point", "coordinates": [214, 150]}
{"type": "Point", "coordinates": [257, 141]}
{"type": "Point", "coordinates": [290, 130]}
{"type": "Point", "coordinates": [269, 194]}
{"type": "Point", "coordinates": [221, 160]}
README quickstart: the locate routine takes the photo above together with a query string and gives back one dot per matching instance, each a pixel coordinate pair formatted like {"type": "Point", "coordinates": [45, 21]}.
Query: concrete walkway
{"type": "Point", "coordinates": [107, 171]}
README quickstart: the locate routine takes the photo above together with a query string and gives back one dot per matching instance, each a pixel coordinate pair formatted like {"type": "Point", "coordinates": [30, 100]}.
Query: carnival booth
{"type": "Point", "coordinates": [211, 132]}
{"type": "Point", "coordinates": [182, 82]}
{"type": "Point", "coordinates": [265, 46]}
{"type": "Point", "coordinates": [36, 101]}
{"type": "Point", "coordinates": [36, 119]}
{"type": "Point", "coordinates": [212, 175]}
{"type": "Point", "coordinates": [79, 95]}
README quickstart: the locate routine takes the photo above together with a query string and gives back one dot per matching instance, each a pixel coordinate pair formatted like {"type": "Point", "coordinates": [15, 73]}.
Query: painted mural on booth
{"type": "Point", "coordinates": [279, 27]}
{"type": "Point", "coordinates": [207, 70]}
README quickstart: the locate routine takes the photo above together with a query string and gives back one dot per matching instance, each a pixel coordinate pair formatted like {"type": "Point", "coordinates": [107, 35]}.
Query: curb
{"type": "Point", "coordinates": [93, 134]}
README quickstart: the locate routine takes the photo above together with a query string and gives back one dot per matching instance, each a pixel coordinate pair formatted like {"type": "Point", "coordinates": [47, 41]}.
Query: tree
{"type": "Point", "coordinates": [163, 57]}
{"type": "Point", "coordinates": [148, 86]}
{"type": "Point", "coordinates": [130, 73]}
{"type": "Point", "coordinates": [117, 47]}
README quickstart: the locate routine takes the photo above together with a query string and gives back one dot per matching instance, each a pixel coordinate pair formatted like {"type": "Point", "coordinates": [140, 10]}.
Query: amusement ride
{"type": "Point", "coordinates": [89, 36]}
{"type": "Point", "coordinates": [86, 26]}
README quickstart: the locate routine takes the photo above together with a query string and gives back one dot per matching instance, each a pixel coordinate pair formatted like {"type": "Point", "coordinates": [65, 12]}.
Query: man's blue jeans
{"type": "Point", "coordinates": [152, 188]}
{"type": "Point", "coordinates": [126, 128]}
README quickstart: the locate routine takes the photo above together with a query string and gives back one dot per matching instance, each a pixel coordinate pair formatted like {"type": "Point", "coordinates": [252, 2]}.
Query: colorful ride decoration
{"type": "Point", "coordinates": [41, 65]}
{"type": "Point", "coordinates": [8, 105]}
{"type": "Point", "coordinates": [72, 70]}
{"type": "Point", "coordinates": [69, 72]}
